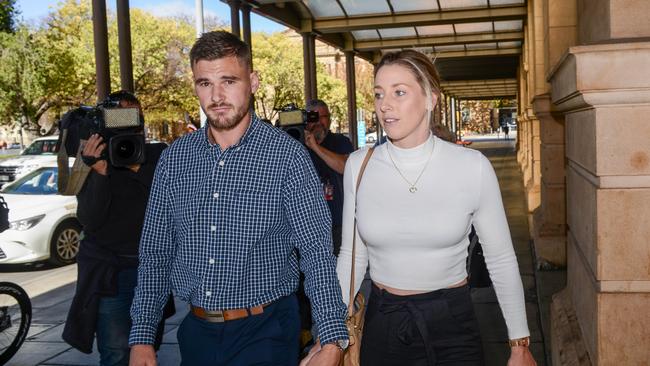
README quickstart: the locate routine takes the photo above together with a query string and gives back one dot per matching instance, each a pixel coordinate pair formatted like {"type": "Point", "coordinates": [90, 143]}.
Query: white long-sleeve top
{"type": "Point", "coordinates": [419, 241]}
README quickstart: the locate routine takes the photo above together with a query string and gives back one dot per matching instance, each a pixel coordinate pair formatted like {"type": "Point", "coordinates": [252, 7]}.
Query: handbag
{"type": "Point", "coordinates": [357, 304]}
{"type": "Point", "coordinates": [477, 272]}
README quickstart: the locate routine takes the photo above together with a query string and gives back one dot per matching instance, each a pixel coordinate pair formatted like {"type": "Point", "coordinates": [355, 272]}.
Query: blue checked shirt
{"type": "Point", "coordinates": [222, 227]}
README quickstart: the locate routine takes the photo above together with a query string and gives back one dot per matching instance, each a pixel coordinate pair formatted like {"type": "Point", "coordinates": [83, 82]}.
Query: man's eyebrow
{"type": "Point", "coordinates": [230, 77]}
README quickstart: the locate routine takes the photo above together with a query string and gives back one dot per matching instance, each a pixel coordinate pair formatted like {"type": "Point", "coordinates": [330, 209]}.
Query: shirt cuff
{"type": "Point", "coordinates": [332, 330]}
{"type": "Point", "coordinates": [142, 334]}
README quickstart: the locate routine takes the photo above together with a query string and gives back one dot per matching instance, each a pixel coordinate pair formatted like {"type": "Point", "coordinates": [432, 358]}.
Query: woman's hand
{"type": "Point", "coordinates": [521, 356]}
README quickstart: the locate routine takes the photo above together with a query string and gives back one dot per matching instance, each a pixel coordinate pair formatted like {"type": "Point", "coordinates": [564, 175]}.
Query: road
{"type": "Point", "coordinates": [39, 280]}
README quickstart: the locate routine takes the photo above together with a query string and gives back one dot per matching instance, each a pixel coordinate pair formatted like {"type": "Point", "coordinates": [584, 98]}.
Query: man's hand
{"type": "Point", "coordinates": [142, 355]}
{"type": "Point", "coordinates": [521, 356]}
{"type": "Point", "coordinates": [310, 140]}
{"type": "Point", "coordinates": [327, 355]}
{"type": "Point", "coordinates": [94, 148]}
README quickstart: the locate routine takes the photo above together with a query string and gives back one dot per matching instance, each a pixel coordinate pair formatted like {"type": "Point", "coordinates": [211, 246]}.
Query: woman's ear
{"type": "Point", "coordinates": [432, 102]}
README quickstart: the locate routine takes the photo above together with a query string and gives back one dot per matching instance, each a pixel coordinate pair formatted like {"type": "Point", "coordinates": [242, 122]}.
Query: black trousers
{"type": "Point", "coordinates": [435, 328]}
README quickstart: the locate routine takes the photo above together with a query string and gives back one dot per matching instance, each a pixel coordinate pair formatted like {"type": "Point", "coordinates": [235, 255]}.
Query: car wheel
{"type": "Point", "coordinates": [64, 245]}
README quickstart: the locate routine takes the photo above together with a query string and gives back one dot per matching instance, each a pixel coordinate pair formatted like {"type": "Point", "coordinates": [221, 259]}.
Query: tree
{"type": "Point", "coordinates": [278, 60]}
{"type": "Point", "coordinates": [21, 80]}
{"type": "Point", "coordinates": [8, 13]}
{"type": "Point", "coordinates": [51, 69]}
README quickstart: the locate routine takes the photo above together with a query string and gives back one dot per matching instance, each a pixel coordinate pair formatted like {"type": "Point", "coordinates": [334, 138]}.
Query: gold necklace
{"type": "Point", "coordinates": [412, 187]}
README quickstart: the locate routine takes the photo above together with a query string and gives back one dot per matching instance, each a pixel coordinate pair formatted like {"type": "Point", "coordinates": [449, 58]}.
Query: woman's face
{"type": "Point", "coordinates": [401, 106]}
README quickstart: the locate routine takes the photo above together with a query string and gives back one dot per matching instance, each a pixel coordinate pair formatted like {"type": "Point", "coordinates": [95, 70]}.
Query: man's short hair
{"type": "Point", "coordinates": [123, 95]}
{"type": "Point", "coordinates": [316, 103]}
{"type": "Point", "coordinates": [219, 44]}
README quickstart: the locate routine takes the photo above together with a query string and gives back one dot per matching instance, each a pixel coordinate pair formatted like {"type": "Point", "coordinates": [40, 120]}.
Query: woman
{"type": "Point", "coordinates": [417, 201]}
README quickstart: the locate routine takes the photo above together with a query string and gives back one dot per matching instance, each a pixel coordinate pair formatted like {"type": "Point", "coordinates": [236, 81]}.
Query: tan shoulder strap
{"type": "Point", "coordinates": [354, 230]}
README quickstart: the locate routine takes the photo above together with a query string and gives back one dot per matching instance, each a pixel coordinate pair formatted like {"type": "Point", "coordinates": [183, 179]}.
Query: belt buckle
{"type": "Point", "coordinates": [215, 316]}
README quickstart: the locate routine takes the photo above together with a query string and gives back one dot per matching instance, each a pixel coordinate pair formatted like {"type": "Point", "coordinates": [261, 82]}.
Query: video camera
{"type": "Point", "coordinates": [293, 120]}
{"type": "Point", "coordinates": [120, 128]}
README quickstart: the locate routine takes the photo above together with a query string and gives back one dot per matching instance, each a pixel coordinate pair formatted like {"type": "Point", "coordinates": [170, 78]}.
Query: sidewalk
{"type": "Point", "coordinates": [45, 347]}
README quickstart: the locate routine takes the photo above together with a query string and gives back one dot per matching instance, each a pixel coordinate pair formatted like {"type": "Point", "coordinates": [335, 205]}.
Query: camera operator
{"type": "Point", "coordinates": [329, 151]}
{"type": "Point", "coordinates": [111, 208]}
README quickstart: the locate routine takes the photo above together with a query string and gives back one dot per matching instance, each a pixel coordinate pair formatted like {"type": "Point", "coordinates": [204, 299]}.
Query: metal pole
{"type": "Point", "coordinates": [312, 65]}
{"type": "Point", "coordinates": [100, 38]}
{"type": "Point", "coordinates": [198, 13]}
{"type": "Point", "coordinates": [452, 125]}
{"type": "Point", "coordinates": [306, 66]}
{"type": "Point", "coordinates": [124, 42]}
{"type": "Point", "coordinates": [350, 80]}
{"type": "Point", "coordinates": [459, 119]}
{"type": "Point", "coordinates": [246, 26]}
{"type": "Point", "coordinates": [234, 17]}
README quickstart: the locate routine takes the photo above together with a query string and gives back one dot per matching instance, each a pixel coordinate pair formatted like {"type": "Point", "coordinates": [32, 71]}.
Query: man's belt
{"type": "Point", "coordinates": [220, 316]}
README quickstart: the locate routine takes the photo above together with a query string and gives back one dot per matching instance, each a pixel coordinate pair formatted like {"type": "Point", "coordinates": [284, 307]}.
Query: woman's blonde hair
{"type": "Point", "coordinates": [420, 66]}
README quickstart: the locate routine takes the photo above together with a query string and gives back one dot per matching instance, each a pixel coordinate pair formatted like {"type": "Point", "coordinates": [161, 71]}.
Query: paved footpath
{"type": "Point", "coordinates": [45, 347]}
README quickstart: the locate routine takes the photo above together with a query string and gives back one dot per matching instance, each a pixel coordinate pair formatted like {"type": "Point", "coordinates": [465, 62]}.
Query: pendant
{"type": "Point", "coordinates": [413, 189]}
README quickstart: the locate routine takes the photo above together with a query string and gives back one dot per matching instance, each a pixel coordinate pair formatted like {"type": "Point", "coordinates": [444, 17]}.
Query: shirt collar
{"type": "Point", "coordinates": [247, 137]}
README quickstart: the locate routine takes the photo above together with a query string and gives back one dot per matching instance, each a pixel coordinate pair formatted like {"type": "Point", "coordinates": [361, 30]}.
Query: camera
{"type": "Point", "coordinates": [293, 120]}
{"type": "Point", "coordinates": [121, 129]}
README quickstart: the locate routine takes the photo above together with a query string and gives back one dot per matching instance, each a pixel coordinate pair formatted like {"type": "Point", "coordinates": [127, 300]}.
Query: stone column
{"type": "Point", "coordinates": [549, 220]}
{"type": "Point", "coordinates": [605, 95]}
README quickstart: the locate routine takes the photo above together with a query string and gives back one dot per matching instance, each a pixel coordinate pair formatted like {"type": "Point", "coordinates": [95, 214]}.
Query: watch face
{"type": "Point", "coordinates": [343, 343]}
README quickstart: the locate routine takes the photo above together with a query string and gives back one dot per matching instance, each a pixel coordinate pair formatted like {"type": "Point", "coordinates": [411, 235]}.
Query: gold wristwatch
{"type": "Point", "coordinates": [525, 342]}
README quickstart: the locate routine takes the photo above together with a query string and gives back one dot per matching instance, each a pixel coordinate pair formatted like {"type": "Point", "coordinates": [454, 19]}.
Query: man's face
{"type": "Point", "coordinates": [323, 118]}
{"type": "Point", "coordinates": [224, 88]}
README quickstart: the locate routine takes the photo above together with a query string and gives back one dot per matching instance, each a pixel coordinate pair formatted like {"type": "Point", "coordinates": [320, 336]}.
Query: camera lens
{"type": "Point", "coordinates": [125, 149]}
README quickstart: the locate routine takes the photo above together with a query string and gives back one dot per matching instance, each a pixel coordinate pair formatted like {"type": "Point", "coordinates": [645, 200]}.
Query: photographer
{"type": "Point", "coordinates": [111, 208]}
{"type": "Point", "coordinates": [329, 151]}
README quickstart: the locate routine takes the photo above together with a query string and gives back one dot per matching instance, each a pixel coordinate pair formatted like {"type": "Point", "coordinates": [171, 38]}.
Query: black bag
{"type": "Point", "coordinates": [4, 215]}
{"type": "Point", "coordinates": [477, 272]}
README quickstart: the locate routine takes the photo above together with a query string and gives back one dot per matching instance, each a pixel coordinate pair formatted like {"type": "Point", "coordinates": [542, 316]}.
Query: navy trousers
{"type": "Point", "coordinates": [430, 329]}
{"type": "Point", "coordinates": [267, 339]}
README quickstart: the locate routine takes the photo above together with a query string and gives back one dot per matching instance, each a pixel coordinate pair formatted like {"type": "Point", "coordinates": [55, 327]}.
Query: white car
{"type": "Point", "coordinates": [44, 224]}
{"type": "Point", "coordinates": [37, 154]}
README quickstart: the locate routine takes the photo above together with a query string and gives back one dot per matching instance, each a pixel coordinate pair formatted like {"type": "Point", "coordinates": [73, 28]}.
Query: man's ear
{"type": "Point", "coordinates": [255, 82]}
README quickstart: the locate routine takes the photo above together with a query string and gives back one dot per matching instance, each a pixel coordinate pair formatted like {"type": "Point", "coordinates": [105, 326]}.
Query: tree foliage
{"type": "Point", "coordinates": [279, 62]}
{"type": "Point", "coordinates": [49, 69]}
{"type": "Point", "coordinates": [8, 13]}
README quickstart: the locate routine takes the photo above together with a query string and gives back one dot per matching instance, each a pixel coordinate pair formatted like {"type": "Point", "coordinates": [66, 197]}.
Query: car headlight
{"type": "Point", "coordinates": [26, 224]}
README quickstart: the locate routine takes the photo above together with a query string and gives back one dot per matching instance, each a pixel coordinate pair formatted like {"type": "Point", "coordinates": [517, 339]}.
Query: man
{"type": "Point", "coordinates": [111, 207]}
{"type": "Point", "coordinates": [229, 205]}
{"type": "Point", "coordinates": [329, 151]}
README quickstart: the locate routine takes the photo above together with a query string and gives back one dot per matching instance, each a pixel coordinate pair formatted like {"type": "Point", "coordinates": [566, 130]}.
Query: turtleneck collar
{"type": "Point", "coordinates": [415, 155]}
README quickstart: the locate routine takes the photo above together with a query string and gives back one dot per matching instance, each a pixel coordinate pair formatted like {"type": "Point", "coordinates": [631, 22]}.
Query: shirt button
{"type": "Point", "coordinates": [222, 163]}
{"type": "Point", "coordinates": [211, 261]}
{"type": "Point", "coordinates": [208, 293]}
{"type": "Point", "coordinates": [215, 195]}
{"type": "Point", "coordinates": [213, 228]}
